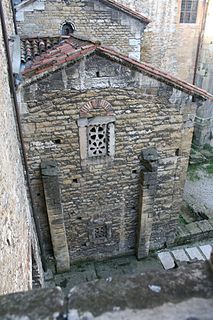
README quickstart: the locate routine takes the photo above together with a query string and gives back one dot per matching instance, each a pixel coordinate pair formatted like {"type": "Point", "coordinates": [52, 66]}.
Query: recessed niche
{"type": "Point", "coordinates": [57, 141]}
{"type": "Point", "coordinates": [75, 180]}
{"type": "Point", "coordinates": [177, 152]}
{"type": "Point", "coordinates": [98, 74]}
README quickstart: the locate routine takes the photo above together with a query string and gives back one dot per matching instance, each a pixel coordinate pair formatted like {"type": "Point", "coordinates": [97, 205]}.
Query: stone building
{"type": "Point", "coordinates": [108, 140]}
{"type": "Point", "coordinates": [17, 237]}
{"type": "Point", "coordinates": [179, 41]}
{"type": "Point", "coordinates": [106, 20]}
{"type": "Point", "coordinates": [172, 40]}
{"type": "Point", "coordinates": [204, 79]}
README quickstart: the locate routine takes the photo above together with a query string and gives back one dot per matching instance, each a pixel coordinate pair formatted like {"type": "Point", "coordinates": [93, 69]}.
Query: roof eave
{"type": "Point", "coordinates": [31, 75]}
{"type": "Point", "coordinates": [156, 74]}
{"type": "Point", "coordinates": [127, 10]}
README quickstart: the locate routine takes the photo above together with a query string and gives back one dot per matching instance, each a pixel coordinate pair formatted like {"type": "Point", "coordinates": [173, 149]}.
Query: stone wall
{"type": "Point", "coordinates": [168, 44]}
{"type": "Point", "coordinates": [15, 246]}
{"type": "Point", "coordinates": [204, 79]}
{"type": "Point", "coordinates": [17, 231]}
{"type": "Point", "coordinates": [105, 192]}
{"type": "Point", "coordinates": [92, 19]}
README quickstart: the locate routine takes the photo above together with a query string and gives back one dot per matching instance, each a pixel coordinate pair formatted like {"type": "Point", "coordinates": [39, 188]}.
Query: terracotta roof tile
{"type": "Point", "coordinates": [72, 49]}
{"type": "Point", "coordinates": [67, 50]}
{"type": "Point", "coordinates": [31, 48]}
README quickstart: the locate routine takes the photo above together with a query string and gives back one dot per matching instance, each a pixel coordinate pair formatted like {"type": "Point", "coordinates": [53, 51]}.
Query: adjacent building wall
{"type": "Point", "coordinates": [15, 244]}
{"type": "Point", "coordinates": [173, 47]}
{"type": "Point", "coordinates": [168, 44]}
{"type": "Point", "coordinates": [204, 79]}
{"type": "Point", "coordinates": [92, 19]}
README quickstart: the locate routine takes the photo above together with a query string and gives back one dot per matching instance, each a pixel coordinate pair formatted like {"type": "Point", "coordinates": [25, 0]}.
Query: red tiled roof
{"type": "Point", "coordinates": [33, 47]}
{"type": "Point", "coordinates": [113, 4]}
{"type": "Point", "coordinates": [73, 49]}
{"type": "Point", "coordinates": [69, 49]}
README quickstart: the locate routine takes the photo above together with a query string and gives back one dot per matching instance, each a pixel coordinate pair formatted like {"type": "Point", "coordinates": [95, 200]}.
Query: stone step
{"type": "Point", "coordinates": [175, 257]}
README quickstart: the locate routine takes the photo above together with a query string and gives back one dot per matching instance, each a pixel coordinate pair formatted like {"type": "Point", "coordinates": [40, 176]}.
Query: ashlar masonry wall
{"type": "Point", "coordinates": [92, 19]}
{"type": "Point", "coordinates": [100, 196]}
{"type": "Point", "coordinates": [204, 79]}
{"type": "Point", "coordinates": [15, 245]}
{"type": "Point", "coordinates": [167, 43]}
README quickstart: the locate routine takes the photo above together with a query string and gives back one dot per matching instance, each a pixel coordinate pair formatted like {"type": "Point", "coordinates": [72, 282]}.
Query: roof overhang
{"type": "Point", "coordinates": [67, 52]}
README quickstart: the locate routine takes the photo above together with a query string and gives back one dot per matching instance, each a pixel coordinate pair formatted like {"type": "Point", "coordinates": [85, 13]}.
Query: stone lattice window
{"type": "Point", "coordinates": [188, 12]}
{"type": "Point", "coordinates": [100, 232]}
{"type": "Point", "coordinates": [97, 138]}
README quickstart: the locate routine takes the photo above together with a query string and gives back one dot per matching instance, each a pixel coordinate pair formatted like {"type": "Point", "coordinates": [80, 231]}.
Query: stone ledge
{"type": "Point", "coordinates": [36, 304]}
{"type": "Point", "coordinates": [139, 292]}
{"type": "Point", "coordinates": [194, 231]}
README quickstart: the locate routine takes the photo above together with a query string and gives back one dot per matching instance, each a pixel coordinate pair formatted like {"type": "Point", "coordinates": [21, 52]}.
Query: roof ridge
{"type": "Point", "coordinates": [128, 10]}
{"type": "Point", "coordinates": [157, 73]}
{"type": "Point", "coordinates": [46, 63]}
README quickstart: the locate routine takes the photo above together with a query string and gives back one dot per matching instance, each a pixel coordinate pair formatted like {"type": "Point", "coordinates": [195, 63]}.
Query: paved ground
{"type": "Point", "coordinates": [87, 271]}
{"type": "Point", "coordinates": [165, 259]}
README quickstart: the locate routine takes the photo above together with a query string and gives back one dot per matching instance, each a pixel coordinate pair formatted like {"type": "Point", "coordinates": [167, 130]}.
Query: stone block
{"type": "Point", "coordinates": [205, 226]}
{"type": "Point", "coordinates": [206, 250]}
{"type": "Point", "coordinates": [180, 255]}
{"type": "Point", "coordinates": [194, 253]}
{"type": "Point", "coordinates": [167, 260]}
{"type": "Point", "coordinates": [194, 229]}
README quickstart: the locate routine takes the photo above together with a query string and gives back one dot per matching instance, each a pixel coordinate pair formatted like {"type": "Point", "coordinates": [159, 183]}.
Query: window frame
{"type": "Point", "coordinates": [193, 12]}
{"type": "Point", "coordinates": [83, 124]}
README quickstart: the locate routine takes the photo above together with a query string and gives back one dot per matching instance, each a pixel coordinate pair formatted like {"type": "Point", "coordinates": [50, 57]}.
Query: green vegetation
{"type": "Point", "coordinates": [182, 220]}
{"type": "Point", "coordinates": [208, 147]}
{"type": "Point", "coordinates": [192, 172]}
{"type": "Point", "coordinates": [209, 167]}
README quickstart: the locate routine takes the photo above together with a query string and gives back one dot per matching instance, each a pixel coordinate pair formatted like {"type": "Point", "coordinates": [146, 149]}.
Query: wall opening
{"type": "Point", "coordinates": [67, 29]}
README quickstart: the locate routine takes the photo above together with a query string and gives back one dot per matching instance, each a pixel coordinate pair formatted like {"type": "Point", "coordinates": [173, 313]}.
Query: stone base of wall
{"type": "Point", "coordinates": [195, 231]}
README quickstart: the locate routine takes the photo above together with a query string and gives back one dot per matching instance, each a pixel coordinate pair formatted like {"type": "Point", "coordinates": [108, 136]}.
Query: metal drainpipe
{"type": "Point", "coordinates": [16, 107]}
{"type": "Point", "coordinates": [200, 38]}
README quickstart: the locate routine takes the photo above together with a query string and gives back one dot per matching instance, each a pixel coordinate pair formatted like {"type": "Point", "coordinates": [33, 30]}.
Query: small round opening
{"type": "Point", "coordinates": [67, 29]}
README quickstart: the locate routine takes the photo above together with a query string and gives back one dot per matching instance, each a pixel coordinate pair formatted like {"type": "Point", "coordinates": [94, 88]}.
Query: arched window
{"type": "Point", "coordinates": [67, 29]}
